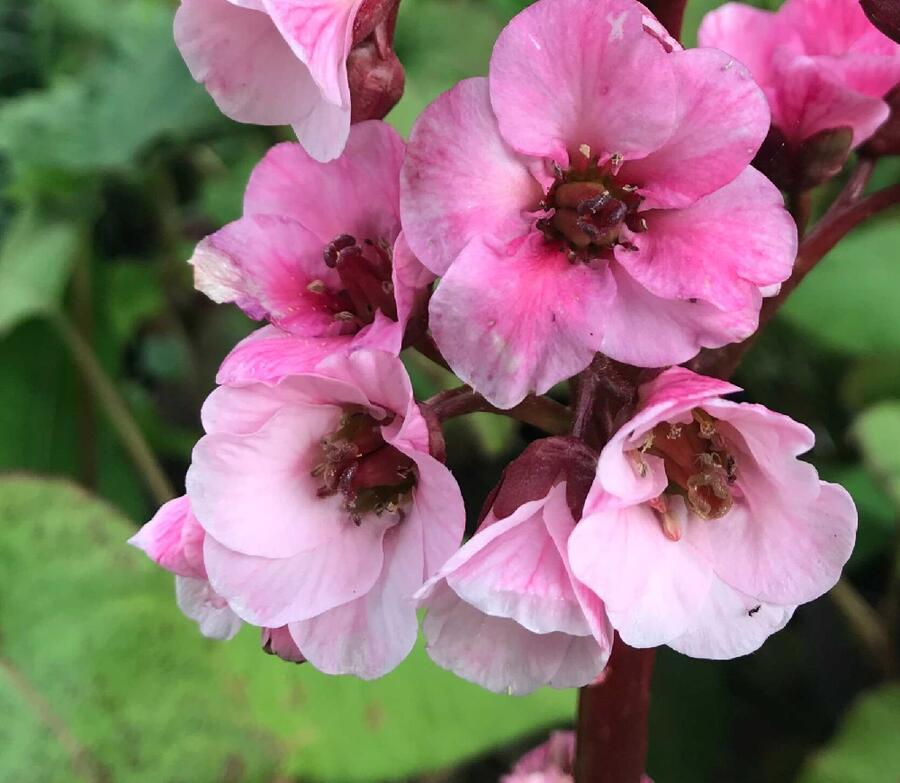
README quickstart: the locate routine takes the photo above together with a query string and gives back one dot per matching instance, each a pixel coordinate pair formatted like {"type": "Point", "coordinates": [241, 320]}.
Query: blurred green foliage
{"type": "Point", "coordinates": [113, 163]}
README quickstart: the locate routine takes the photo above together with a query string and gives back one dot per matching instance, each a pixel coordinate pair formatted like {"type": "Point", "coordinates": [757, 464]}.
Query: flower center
{"type": "Point", "coordinates": [372, 475]}
{"type": "Point", "coordinates": [587, 206]}
{"type": "Point", "coordinates": [697, 463]}
{"type": "Point", "coordinates": [365, 272]}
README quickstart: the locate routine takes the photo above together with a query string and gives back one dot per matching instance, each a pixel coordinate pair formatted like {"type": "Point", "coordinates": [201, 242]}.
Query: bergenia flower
{"type": "Point", "coordinates": [551, 762]}
{"type": "Point", "coordinates": [593, 194]}
{"type": "Point", "coordinates": [821, 63]}
{"type": "Point", "coordinates": [173, 539]}
{"type": "Point", "coordinates": [317, 253]}
{"type": "Point", "coordinates": [703, 530]}
{"type": "Point", "coordinates": [284, 62]}
{"type": "Point", "coordinates": [506, 612]}
{"type": "Point", "coordinates": [323, 509]}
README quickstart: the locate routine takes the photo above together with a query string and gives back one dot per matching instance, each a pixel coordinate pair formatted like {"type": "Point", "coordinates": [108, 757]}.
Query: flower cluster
{"type": "Point", "coordinates": [592, 214]}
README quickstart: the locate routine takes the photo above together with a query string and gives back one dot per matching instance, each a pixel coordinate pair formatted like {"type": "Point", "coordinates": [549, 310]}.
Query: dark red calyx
{"type": "Point", "coordinates": [812, 162]}
{"type": "Point", "coordinates": [885, 15]}
{"type": "Point", "coordinates": [697, 463]}
{"type": "Point", "coordinates": [374, 73]}
{"type": "Point", "coordinates": [542, 464]}
{"type": "Point", "coordinates": [588, 206]}
{"type": "Point", "coordinates": [365, 273]}
{"type": "Point", "coordinates": [356, 462]}
{"type": "Point", "coordinates": [886, 140]}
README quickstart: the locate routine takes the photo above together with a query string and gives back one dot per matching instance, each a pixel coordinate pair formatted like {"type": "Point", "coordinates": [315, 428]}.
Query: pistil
{"type": "Point", "coordinates": [365, 270]}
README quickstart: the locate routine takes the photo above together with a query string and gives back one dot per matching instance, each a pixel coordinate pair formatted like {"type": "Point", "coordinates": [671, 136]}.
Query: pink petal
{"type": "Point", "coordinates": [412, 284]}
{"type": "Point", "coordinates": [748, 33]}
{"type": "Point", "coordinates": [668, 397]}
{"type": "Point", "coordinates": [781, 551]}
{"type": "Point", "coordinates": [264, 264]}
{"type": "Point", "coordinates": [270, 354]}
{"type": "Point", "coordinates": [809, 98]}
{"type": "Point", "coordinates": [722, 118]}
{"type": "Point", "coordinates": [722, 249]}
{"type": "Point", "coordinates": [652, 587]}
{"type": "Point", "coordinates": [731, 624]}
{"type": "Point", "coordinates": [501, 655]}
{"type": "Point", "coordinates": [356, 194]}
{"type": "Point", "coordinates": [833, 27]}
{"type": "Point", "coordinates": [320, 33]}
{"type": "Point", "coordinates": [511, 323]}
{"type": "Point", "coordinates": [571, 72]}
{"type": "Point", "coordinates": [437, 505]}
{"type": "Point", "coordinates": [173, 539]}
{"type": "Point", "coordinates": [648, 331]}
{"type": "Point", "coordinates": [255, 493]}
{"type": "Point", "coordinates": [371, 635]}
{"type": "Point", "coordinates": [460, 179]}
{"type": "Point", "coordinates": [518, 573]}
{"type": "Point", "coordinates": [253, 76]}
{"type": "Point", "coordinates": [199, 602]}
{"type": "Point", "coordinates": [275, 591]}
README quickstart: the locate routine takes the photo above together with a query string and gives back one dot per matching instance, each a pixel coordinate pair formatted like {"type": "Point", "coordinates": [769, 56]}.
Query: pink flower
{"type": "Point", "coordinates": [174, 540]}
{"type": "Point", "coordinates": [703, 530]}
{"type": "Point", "coordinates": [324, 510]}
{"type": "Point", "coordinates": [552, 762]}
{"type": "Point", "coordinates": [318, 254]}
{"type": "Point", "coordinates": [593, 194]}
{"type": "Point", "coordinates": [506, 612]}
{"type": "Point", "coordinates": [821, 63]}
{"type": "Point", "coordinates": [284, 62]}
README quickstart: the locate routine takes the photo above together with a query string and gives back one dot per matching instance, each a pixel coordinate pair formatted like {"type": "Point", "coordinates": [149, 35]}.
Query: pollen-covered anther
{"type": "Point", "coordinates": [316, 287]}
{"type": "Point", "coordinates": [356, 462]}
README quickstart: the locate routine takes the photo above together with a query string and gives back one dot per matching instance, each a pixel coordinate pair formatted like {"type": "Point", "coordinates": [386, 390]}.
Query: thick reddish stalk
{"type": "Point", "coordinates": [611, 745]}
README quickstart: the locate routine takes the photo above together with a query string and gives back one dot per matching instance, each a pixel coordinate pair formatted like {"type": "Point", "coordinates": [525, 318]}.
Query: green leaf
{"type": "Point", "coordinates": [878, 432]}
{"type": "Point", "coordinates": [865, 749]}
{"type": "Point", "coordinates": [35, 260]}
{"type": "Point", "coordinates": [851, 300]}
{"type": "Point", "coordinates": [112, 110]}
{"type": "Point", "coordinates": [90, 626]}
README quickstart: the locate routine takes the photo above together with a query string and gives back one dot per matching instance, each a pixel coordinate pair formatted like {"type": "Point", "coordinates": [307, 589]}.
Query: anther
{"type": "Point", "coordinates": [316, 287]}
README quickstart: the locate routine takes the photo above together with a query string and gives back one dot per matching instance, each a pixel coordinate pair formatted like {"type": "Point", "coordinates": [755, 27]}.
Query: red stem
{"type": "Point", "coordinates": [612, 719]}
{"type": "Point", "coordinates": [540, 412]}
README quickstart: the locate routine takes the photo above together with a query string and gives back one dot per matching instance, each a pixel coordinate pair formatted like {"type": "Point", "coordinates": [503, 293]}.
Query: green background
{"type": "Point", "coordinates": [113, 163]}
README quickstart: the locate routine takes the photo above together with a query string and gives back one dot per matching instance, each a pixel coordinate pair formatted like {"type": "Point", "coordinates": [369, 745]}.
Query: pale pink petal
{"type": "Point", "coordinates": [511, 323]}
{"type": "Point", "coordinates": [383, 334]}
{"type": "Point", "coordinates": [370, 636]}
{"type": "Point", "coordinates": [173, 539]}
{"type": "Point", "coordinates": [555, 757]}
{"type": "Point", "coordinates": [833, 27]}
{"type": "Point", "coordinates": [652, 587]}
{"type": "Point", "coordinates": [519, 574]}
{"type": "Point", "coordinates": [437, 505]}
{"type": "Point", "coordinates": [240, 57]}
{"type": "Point", "coordinates": [501, 655]}
{"type": "Point", "coordinates": [721, 250]}
{"type": "Point", "coordinates": [255, 492]}
{"type": "Point", "coordinates": [460, 179]}
{"type": "Point", "coordinates": [575, 72]}
{"type": "Point", "coordinates": [730, 624]}
{"type": "Point", "coordinates": [647, 331]}
{"type": "Point", "coordinates": [356, 194]}
{"type": "Point", "coordinates": [722, 118]}
{"type": "Point", "coordinates": [783, 552]}
{"type": "Point", "coordinates": [265, 264]}
{"type": "Point", "coordinates": [320, 33]}
{"type": "Point", "coordinates": [198, 601]}
{"type": "Point", "coordinates": [270, 354]}
{"type": "Point", "coordinates": [276, 591]}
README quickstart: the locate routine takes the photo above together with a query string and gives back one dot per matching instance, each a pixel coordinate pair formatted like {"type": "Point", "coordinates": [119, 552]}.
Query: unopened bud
{"type": "Point", "coordinates": [376, 81]}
